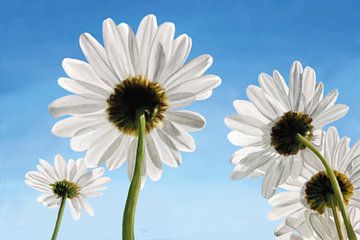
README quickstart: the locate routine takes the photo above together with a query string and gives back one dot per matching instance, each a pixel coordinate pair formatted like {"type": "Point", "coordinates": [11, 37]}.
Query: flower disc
{"type": "Point", "coordinates": [319, 192]}
{"type": "Point", "coordinates": [136, 94]}
{"type": "Point", "coordinates": [284, 131]}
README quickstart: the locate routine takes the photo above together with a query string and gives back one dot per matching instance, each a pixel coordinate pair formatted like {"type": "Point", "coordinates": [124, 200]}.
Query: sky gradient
{"type": "Point", "coordinates": [197, 200]}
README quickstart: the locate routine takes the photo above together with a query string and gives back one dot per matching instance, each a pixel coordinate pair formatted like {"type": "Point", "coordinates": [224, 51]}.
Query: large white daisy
{"type": "Point", "coordinates": [311, 191]}
{"type": "Point", "coordinates": [69, 179]}
{"type": "Point", "coordinates": [266, 126]}
{"type": "Point", "coordinates": [146, 70]}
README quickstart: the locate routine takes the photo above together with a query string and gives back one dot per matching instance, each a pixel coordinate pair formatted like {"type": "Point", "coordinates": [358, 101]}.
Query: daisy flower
{"type": "Point", "coordinates": [69, 180]}
{"type": "Point", "coordinates": [266, 126]}
{"type": "Point", "coordinates": [313, 226]}
{"type": "Point", "coordinates": [146, 70]}
{"type": "Point", "coordinates": [311, 192]}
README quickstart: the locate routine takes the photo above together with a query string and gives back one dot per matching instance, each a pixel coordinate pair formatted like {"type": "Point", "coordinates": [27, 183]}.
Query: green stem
{"type": "Point", "coordinates": [59, 217]}
{"type": "Point", "coordinates": [334, 184]}
{"type": "Point", "coordinates": [133, 194]}
{"type": "Point", "coordinates": [336, 218]}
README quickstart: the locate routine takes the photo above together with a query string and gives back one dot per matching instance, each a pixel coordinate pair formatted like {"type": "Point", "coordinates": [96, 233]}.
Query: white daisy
{"type": "Point", "coordinates": [266, 126]}
{"type": "Point", "coordinates": [69, 179]}
{"type": "Point", "coordinates": [311, 192]}
{"type": "Point", "coordinates": [146, 70]}
{"type": "Point", "coordinates": [310, 225]}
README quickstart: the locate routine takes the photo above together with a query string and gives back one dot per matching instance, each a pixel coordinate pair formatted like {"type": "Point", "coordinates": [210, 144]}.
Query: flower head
{"type": "Point", "coordinates": [310, 194]}
{"type": "Point", "coordinates": [69, 179]}
{"type": "Point", "coordinates": [266, 126]}
{"type": "Point", "coordinates": [146, 72]}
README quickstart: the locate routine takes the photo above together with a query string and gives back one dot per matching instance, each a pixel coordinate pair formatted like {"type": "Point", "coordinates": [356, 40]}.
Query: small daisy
{"type": "Point", "coordinates": [266, 126]}
{"type": "Point", "coordinates": [311, 192]}
{"type": "Point", "coordinates": [69, 180]}
{"type": "Point", "coordinates": [146, 70]}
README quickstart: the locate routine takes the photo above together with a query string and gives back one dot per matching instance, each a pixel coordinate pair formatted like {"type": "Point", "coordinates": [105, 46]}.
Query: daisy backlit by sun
{"type": "Point", "coordinates": [312, 193]}
{"type": "Point", "coordinates": [266, 126]}
{"type": "Point", "coordinates": [310, 225]}
{"type": "Point", "coordinates": [64, 181]}
{"type": "Point", "coordinates": [128, 98]}
{"type": "Point", "coordinates": [146, 70]}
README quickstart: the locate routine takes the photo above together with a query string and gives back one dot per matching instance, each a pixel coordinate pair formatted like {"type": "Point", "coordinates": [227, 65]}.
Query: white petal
{"type": "Point", "coordinates": [82, 71]}
{"type": "Point", "coordinates": [156, 63]}
{"type": "Point", "coordinates": [74, 209]}
{"type": "Point", "coordinates": [145, 36]}
{"type": "Point", "coordinates": [73, 104]}
{"type": "Point", "coordinates": [281, 212]}
{"type": "Point", "coordinates": [84, 88]}
{"type": "Point", "coordinates": [131, 158]}
{"type": "Point", "coordinates": [250, 164]}
{"type": "Point", "coordinates": [60, 167]}
{"type": "Point", "coordinates": [283, 199]}
{"type": "Point", "coordinates": [86, 206]}
{"type": "Point", "coordinates": [248, 109]}
{"type": "Point", "coordinates": [182, 140]}
{"type": "Point", "coordinates": [39, 186]}
{"type": "Point", "coordinates": [272, 179]}
{"type": "Point", "coordinates": [169, 154]}
{"type": "Point", "coordinates": [128, 44]}
{"type": "Point", "coordinates": [115, 49]}
{"type": "Point", "coordinates": [295, 85]}
{"type": "Point", "coordinates": [198, 86]}
{"type": "Point", "coordinates": [257, 97]}
{"type": "Point", "coordinates": [242, 140]}
{"type": "Point", "coordinates": [38, 178]}
{"type": "Point", "coordinates": [47, 170]}
{"type": "Point", "coordinates": [281, 84]}
{"type": "Point", "coordinates": [309, 83]}
{"type": "Point", "coordinates": [311, 159]}
{"type": "Point", "coordinates": [180, 51]}
{"type": "Point", "coordinates": [326, 103]}
{"type": "Point", "coordinates": [244, 124]}
{"type": "Point", "coordinates": [240, 154]}
{"type": "Point", "coordinates": [189, 121]}
{"type": "Point", "coordinates": [82, 142]}
{"type": "Point", "coordinates": [316, 98]}
{"type": "Point", "coordinates": [331, 115]}
{"type": "Point", "coordinates": [70, 170]}
{"type": "Point", "coordinates": [96, 56]}
{"type": "Point", "coordinates": [69, 126]}
{"type": "Point", "coordinates": [102, 149]}
{"type": "Point", "coordinates": [181, 99]}
{"type": "Point", "coordinates": [269, 85]}
{"type": "Point", "coordinates": [45, 197]}
{"type": "Point", "coordinates": [153, 171]}
{"type": "Point", "coordinates": [52, 202]}
{"type": "Point", "coordinates": [160, 50]}
{"type": "Point", "coordinates": [120, 155]}
{"type": "Point", "coordinates": [195, 68]}
{"type": "Point", "coordinates": [153, 165]}
{"type": "Point", "coordinates": [95, 184]}
{"type": "Point", "coordinates": [318, 224]}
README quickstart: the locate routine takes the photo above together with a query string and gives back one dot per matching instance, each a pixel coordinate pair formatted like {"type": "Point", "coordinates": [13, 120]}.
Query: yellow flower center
{"type": "Point", "coordinates": [284, 131]}
{"type": "Point", "coordinates": [137, 94]}
{"type": "Point", "coordinates": [65, 188]}
{"type": "Point", "coordinates": [319, 192]}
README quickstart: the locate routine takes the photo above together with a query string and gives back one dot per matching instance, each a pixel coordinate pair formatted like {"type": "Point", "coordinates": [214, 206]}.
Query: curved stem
{"type": "Point", "coordinates": [334, 184]}
{"type": "Point", "coordinates": [133, 194]}
{"type": "Point", "coordinates": [59, 217]}
{"type": "Point", "coordinates": [336, 218]}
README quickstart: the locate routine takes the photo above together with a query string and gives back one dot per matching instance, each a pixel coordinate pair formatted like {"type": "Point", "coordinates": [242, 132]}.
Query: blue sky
{"type": "Point", "coordinates": [197, 200]}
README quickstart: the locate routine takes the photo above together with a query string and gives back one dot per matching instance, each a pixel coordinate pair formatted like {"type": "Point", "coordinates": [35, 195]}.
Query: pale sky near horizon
{"type": "Point", "coordinates": [197, 200]}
